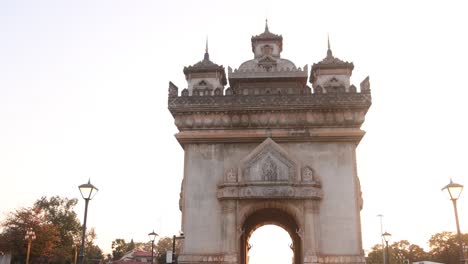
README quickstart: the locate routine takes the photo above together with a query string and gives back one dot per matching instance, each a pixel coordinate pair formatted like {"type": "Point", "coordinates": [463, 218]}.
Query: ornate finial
{"type": "Point", "coordinates": [329, 52]}
{"type": "Point", "coordinates": [207, 56]}
{"type": "Point", "coordinates": [266, 25]}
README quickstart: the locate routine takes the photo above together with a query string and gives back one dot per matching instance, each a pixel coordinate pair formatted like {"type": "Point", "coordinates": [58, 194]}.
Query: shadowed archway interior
{"type": "Point", "coordinates": [274, 217]}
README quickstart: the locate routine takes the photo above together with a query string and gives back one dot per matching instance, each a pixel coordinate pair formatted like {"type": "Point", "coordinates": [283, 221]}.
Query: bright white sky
{"type": "Point", "coordinates": [83, 94]}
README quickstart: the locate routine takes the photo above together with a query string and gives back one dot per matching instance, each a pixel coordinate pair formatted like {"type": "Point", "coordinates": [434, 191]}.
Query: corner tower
{"type": "Point", "coordinates": [270, 149]}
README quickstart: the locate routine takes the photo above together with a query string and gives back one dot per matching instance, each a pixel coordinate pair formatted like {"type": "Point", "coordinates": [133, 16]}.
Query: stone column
{"type": "Point", "coordinates": [312, 231]}
{"type": "Point", "coordinates": [229, 239]}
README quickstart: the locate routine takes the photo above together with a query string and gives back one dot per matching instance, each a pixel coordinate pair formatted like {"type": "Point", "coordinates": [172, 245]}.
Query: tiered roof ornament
{"type": "Point", "coordinates": [205, 77]}
{"type": "Point", "coordinates": [267, 36]}
{"type": "Point", "coordinates": [331, 73]}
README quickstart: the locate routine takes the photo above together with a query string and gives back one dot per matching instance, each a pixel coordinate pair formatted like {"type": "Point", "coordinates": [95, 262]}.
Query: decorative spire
{"type": "Point", "coordinates": [266, 25]}
{"type": "Point", "coordinates": [207, 56]}
{"type": "Point", "coordinates": [329, 52]}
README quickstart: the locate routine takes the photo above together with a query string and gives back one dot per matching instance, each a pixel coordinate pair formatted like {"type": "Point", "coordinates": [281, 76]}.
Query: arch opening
{"type": "Point", "coordinates": [268, 217]}
{"type": "Point", "coordinates": [270, 244]}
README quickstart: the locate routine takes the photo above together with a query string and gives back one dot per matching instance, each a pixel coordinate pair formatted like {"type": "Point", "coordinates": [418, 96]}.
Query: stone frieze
{"type": "Point", "coordinates": [285, 191]}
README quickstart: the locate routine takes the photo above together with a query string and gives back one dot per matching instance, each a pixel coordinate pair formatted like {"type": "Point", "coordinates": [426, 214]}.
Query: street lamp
{"type": "Point", "coordinates": [453, 191]}
{"type": "Point", "coordinates": [152, 237]}
{"type": "Point", "coordinates": [386, 236]}
{"type": "Point", "coordinates": [76, 245]}
{"type": "Point", "coordinates": [87, 191]}
{"type": "Point", "coordinates": [30, 236]}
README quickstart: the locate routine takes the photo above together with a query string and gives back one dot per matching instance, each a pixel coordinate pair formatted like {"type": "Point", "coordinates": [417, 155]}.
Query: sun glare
{"type": "Point", "coordinates": [270, 244]}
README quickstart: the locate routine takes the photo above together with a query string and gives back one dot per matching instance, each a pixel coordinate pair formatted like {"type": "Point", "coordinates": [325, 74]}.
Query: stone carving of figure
{"type": "Point", "coordinates": [307, 174]}
{"type": "Point", "coordinates": [269, 170]}
{"type": "Point", "coordinates": [231, 175]}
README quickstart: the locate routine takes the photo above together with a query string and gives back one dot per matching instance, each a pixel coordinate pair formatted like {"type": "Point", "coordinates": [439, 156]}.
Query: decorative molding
{"type": "Point", "coordinates": [269, 119]}
{"type": "Point", "coordinates": [286, 191]}
{"type": "Point", "coordinates": [269, 102]}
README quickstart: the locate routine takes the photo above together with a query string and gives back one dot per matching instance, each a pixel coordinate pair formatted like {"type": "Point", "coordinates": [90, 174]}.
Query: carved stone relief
{"type": "Point", "coordinates": [307, 174]}
{"type": "Point", "coordinates": [231, 175]}
{"type": "Point", "coordinates": [268, 163]}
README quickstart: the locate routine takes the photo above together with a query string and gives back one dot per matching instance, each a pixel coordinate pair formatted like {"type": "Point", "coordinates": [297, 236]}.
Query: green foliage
{"type": "Point", "coordinates": [444, 248]}
{"type": "Point", "coordinates": [60, 213]}
{"type": "Point", "coordinates": [93, 254]}
{"type": "Point", "coordinates": [375, 256]}
{"type": "Point", "coordinates": [165, 244]}
{"type": "Point", "coordinates": [120, 247]}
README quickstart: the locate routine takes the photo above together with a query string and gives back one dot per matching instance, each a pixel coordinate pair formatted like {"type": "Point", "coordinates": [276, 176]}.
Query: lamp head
{"type": "Point", "coordinates": [88, 190]}
{"type": "Point", "coordinates": [152, 236]}
{"type": "Point", "coordinates": [453, 190]}
{"type": "Point", "coordinates": [386, 236]}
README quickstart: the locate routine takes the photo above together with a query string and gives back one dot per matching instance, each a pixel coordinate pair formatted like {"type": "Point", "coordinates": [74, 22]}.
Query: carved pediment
{"type": "Point", "coordinates": [268, 163]}
{"type": "Point", "coordinates": [270, 172]}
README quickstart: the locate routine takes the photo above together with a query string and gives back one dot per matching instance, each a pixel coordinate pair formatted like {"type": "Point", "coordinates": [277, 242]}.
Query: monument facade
{"type": "Point", "coordinates": [269, 149]}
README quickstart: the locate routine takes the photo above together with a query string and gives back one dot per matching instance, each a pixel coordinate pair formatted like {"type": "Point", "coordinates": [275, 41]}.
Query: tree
{"type": "Point", "coordinates": [55, 223]}
{"type": "Point", "coordinates": [93, 254]}
{"type": "Point", "coordinates": [398, 251]}
{"type": "Point", "coordinates": [14, 229]}
{"type": "Point", "coordinates": [60, 213]}
{"type": "Point", "coordinates": [164, 244]}
{"type": "Point", "coordinates": [120, 247]}
{"type": "Point", "coordinates": [404, 250]}
{"type": "Point", "coordinates": [375, 256]}
{"type": "Point", "coordinates": [444, 247]}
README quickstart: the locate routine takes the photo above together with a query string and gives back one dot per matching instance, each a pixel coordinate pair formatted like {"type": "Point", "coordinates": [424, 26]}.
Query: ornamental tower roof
{"type": "Point", "coordinates": [206, 66]}
{"type": "Point", "coordinates": [331, 72]}
{"type": "Point", "coordinates": [331, 61]}
{"type": "Point", "coordinates": [265, 37]}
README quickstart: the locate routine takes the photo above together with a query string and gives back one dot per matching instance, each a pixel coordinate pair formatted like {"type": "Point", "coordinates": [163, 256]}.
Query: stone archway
{"type": "Point", "coordinates": [270, 216]}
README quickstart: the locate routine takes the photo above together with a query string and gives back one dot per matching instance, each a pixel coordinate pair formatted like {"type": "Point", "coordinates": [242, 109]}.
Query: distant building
{"type": "Point", "coordinates": [136, 256]}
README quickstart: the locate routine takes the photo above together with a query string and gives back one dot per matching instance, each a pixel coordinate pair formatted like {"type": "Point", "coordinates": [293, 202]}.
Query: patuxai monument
{"type": "Point", "coordinates": [270, 143]}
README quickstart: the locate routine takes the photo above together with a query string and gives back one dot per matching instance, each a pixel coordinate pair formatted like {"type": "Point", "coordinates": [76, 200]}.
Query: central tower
{"type": "Point", "coordinates": [269, 149]}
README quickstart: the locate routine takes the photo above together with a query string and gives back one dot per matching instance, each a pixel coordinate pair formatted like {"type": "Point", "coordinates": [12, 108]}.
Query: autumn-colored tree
{"type": "Point", "coordinates": [55, 224]}
{"type": "Point", "coordinates": [60, 213]}
{"type": "Point", "coordinates": [14, 230]}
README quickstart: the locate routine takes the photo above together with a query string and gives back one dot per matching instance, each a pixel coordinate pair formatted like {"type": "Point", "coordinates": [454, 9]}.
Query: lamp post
{"type": "Point", "coordinates": [386, 236]}
{"type": "Point", "coordinates": [87, 191]}
{"type": "Point", "coordinates": [76, 244]}
{"type": "Point", "coordinates": [30, 236]}
{"type": "Point", "coordinates": [174, 237]}
{"type": "Point", "coordinates": [152, 237]}
{"type": "Point", "coordinates": [454, 190]}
